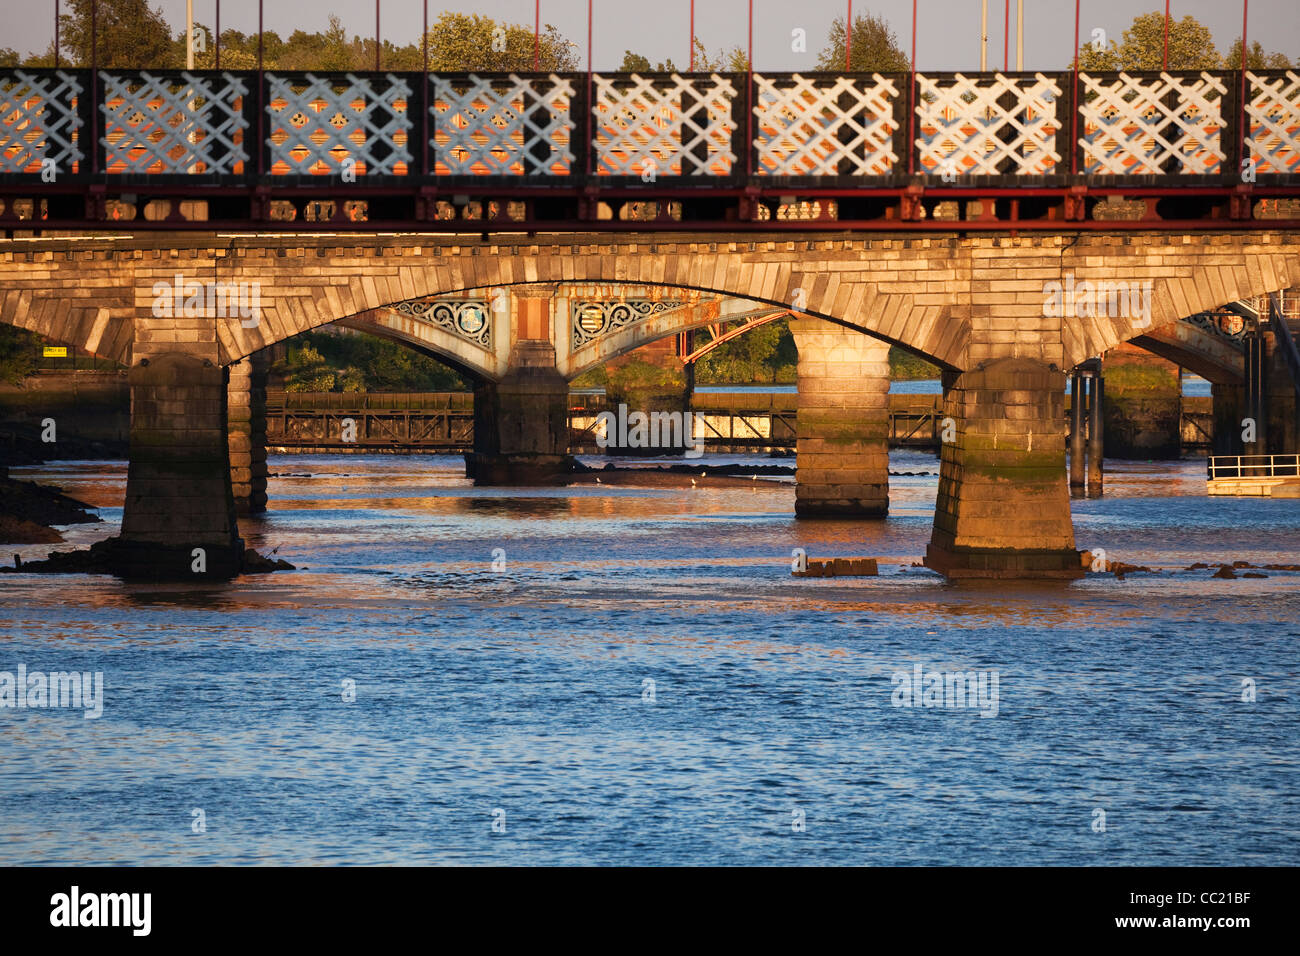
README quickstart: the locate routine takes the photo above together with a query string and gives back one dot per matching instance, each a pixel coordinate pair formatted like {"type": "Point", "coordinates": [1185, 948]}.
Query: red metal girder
{"type": "Point", "coordinates": [724, 227]}
{"type": "Point", "coordinates": [625, 193]}
{"type": "Point", "coordinates": [750, 323]}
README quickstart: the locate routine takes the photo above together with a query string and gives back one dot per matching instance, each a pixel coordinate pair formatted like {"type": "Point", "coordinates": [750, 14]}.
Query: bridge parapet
{"type": "Point", "coordinates": [638, 151]}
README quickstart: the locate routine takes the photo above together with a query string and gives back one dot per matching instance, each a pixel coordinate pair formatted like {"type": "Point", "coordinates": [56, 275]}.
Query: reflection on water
{"type": "Point", "coordinates": [522, 688]}
{"type": "Point", "coordinates": [1193, 387]}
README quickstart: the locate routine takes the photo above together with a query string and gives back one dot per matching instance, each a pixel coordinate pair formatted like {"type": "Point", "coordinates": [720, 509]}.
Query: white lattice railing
{"type": "Point", "coordinates": [655, 127]}
{"type": "Point", "coordinates": [39, 121]}
{"type": "Point", "coordinates": [1273, 116]}
{"type": "Point", "coordinates": [813, 126]}
{"type": "Point", "coordinates": [328, 126]}
{"type": "Point", "coordinates": [686, 127]}
{"type": "Point", "coordinates": [190, 124]}
{"type": "Point", "coordinates": [988, 125]}
{"type": "Point", "coordinates": [1138, 126]}
{"type": "Point", "coordinates": [502, 126]}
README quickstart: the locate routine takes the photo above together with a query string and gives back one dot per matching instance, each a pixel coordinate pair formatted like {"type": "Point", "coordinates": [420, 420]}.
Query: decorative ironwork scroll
{"type": "Point", "coordinates": [469, 319]}
{"type": "Point", "coordinates": [597, 318]}
{"type": "Point", "coordinates": [1223, 325]}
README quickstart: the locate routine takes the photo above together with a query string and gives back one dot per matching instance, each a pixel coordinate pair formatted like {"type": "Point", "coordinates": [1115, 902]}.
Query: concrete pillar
{"type": "Point", "coordinates": [1283, 427]}
{"type": "Point", "coordinates": [521, 423]}
{"type": "Point", "coordinates": [1003, 506]}
{"type": "Point", "coordinates": [1078, 488]}
{"type": "Point", "coordinates": [1096, 432]}
{"type": "Point", "coordinates": [1229, 410]}
{"type": "Point", "coordinates": [1143, 407]}
{"type": "Point", "coordinates": [246, 408]}
{"type": "Point", "coordinates": [842, 465]}
{"type": "Point", "coordinates": [178, 494]}
{"type": "Point", "coordinates": [1256, 377]}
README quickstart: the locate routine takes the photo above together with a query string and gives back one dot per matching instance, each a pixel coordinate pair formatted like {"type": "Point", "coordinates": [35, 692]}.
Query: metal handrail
{"type": "Point", "coordinates": [1253, 466]}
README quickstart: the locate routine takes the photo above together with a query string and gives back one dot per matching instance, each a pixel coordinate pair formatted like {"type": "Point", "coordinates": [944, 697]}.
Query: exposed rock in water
{"type": "Point", "coordinates": [839, 568]}
{"type": "Point", "coordinates": [255, 563]}
{"type": "Point", "coordinates": [105, 557]}
{"type": "Point", "coordinates": [27, 510]}
{"type": "Point", "coordinates": [21, 531]}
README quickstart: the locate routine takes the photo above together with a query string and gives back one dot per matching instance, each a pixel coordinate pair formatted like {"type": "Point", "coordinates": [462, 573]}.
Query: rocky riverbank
{"type": "Point", "coordinates": [104, 557]}
{"type": "Point", "coordinates": [28, 510]}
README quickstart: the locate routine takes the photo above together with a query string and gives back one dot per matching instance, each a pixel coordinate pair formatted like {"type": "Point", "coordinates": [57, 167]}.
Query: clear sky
{"type": "Point", "coordinates": [947, 30]}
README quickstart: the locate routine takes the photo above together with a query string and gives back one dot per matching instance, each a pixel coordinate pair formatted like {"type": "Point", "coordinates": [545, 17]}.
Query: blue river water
{"type": "Point", "coordinates": [642, 681]}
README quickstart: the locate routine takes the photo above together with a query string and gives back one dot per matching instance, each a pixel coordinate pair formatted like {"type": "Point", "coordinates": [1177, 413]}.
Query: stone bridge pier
{"type": "Point", "coordinates": [842, 464]}
{"type": "Point", "coordinates": [1003, 505]}
{"type": "Point", "coordinates": [178, 519]}
{"type": "Point", "coordinates": [246, 416]}
{"type": "Point", "coordinates": [521, 423]}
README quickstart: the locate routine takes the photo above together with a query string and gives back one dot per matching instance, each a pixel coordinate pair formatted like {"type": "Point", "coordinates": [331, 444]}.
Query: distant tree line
{"type": "Point", "coordinates": [132, 35]}
{"type": "Point", "coordinates": [1191, 47]}
{"type": "Point", "coordinates": [324, 361]}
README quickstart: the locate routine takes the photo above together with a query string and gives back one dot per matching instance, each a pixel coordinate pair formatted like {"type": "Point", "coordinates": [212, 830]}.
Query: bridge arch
{"type": "Point", "coordinates": [1181, 286]}
{"type": "Point", "coordinates": [90, 327]}
{"type": "Point", "coordinates": [431, 340]}
{"type": "Point", "coordinates": [883, 306]}
{"type": "Point", "coordinates": [957, 301]}
{"type": "Point", "coordinates": [1214, 358]}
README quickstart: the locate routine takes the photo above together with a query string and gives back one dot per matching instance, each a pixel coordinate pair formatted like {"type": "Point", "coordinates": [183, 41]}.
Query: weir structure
{"type": "Point", "coordinates": [926, 210]}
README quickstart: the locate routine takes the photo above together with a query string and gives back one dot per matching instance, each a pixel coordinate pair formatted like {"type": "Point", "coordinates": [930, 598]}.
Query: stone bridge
{"type": "Point", "coordinates": [587, 323]}
{"type": "Point", "coordinates": [988, 310]}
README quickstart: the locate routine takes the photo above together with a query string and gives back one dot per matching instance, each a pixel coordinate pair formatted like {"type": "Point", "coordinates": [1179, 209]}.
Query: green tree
{"type": "Point", "coordinates": [763, 354]}
{"type": "Point", "coordinates": [1258, 59]}
{"type": "Point", "coordinates": [17, 354]}
{"type": "Point", "coordinates": [735, 60]}
{"type": "Point", "coordinates": [130, 35]}
{"type": "Point", "coordinates": [1191, 46]}
{"type": "Point", "coordinates": [233, 54]}
{"type": "Point", "coordinates": [724, 61]}
{"type": "Point", "coordinates": [8, 57]}
{"type": "Point", "coordinates": [328, 51]}
{"type": "Point", "coordinates": [636, 63]}
{"type": "Point", "coordinates": [460, 41]}
{"type": "Point", "coordinates": [326, 361]}
{"type": "Point", "coordinates": [307, 371]}
{"type": "Point", "coordinates": [238, 50]}
{"type": "Point", "coordinates": [903, 365]}
{"type": "Point", "coordinates": [874, 48]}
{"type": "Point", "coordinates": [351, 379]}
